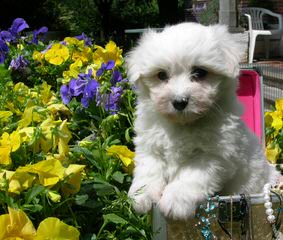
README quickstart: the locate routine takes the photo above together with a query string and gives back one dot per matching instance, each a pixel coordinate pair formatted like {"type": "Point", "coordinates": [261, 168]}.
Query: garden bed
{"type": "Point", "coordinates": [66, 151]}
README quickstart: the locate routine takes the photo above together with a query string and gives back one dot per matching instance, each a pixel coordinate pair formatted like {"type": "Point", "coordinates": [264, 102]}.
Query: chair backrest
{"type": "Point", "coordinates": [256, 15]}
{"type": "Point", "coordinates": [250, 95]}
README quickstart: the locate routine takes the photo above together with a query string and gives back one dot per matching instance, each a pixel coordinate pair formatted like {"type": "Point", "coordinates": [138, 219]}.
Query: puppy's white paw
{"type": "Point", "coordinates": [145, 196]}
{"type": "Point", "coordinates": [142, 203]}
{"type": "Point", "coordinates": [178, 204]}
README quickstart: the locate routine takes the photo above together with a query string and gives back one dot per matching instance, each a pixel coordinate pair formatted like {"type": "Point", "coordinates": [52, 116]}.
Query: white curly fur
{"type": "Point", "coordinates": [182, 156]}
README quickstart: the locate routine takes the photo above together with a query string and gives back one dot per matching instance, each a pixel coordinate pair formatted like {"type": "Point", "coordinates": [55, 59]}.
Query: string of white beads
{"type": "Point", "coordinates": [269, 211]}
{"type": "Point", "coordinates": [268, 204]}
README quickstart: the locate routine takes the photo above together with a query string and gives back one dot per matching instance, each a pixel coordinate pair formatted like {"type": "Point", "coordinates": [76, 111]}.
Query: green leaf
{"type": "Point", "coordinates": [103, 189]}
{"type": "Point", "coordinates": [32, 207]}
{"type": "Point", "coordinates": [33, 192]}
{"type": "Point", "coordinates": [111, 140]}
{"type": "Point", "coordinates": [5, 198]}
{"type": "Point", "coordinates": [115, 142]}
{"type": "Point", "coordinates": [127, 134]}
{"type": "Point", "coordinates": [87, 154]}
{"type": "Point", "coordinates": [119, 177]}
{"type": "Point", "coordinates": [81, 199]}
{"type": "Point", "coordinates": [269, 131]}
{"type": "Point", "coordinates": [112, 217]}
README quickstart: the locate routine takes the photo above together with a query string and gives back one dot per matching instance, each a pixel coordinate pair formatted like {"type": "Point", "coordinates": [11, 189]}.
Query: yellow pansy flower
{"type": "Point", "coordinates": [63, 139]}
{"type": "Point", "coordinates": [48, 140]}
{"type": "Point", "coordinates": [45, 93]}
{"type": "Point", "coordinates": [13, 108]}
{"type": "Point", "coordinates": [26, 133]}
{"type": "Point", "coordinates": [4, 115]}
{"type": "Point", "coordinates": [6, 174]}
{"type": "Point", "coordinates": [74, 41]}
{"type": "Point", "coordinates": [73, 175]}
{"type": "Point", "coordinates": [126, 155]}
{"type": "Point", "coordinates": [9, 143]}
{"type": "Point", "coordinates": [279, 104]}
{"type": "Point", "coordinates": [49, 172]}
{"type": "Point", "coordinates": [84, 55]}
{"type": "Point", "coordinates": [110, 52]}
{"type": "Point", "coordinates": [272, 153]}
{"type": "Point", "coordinates": [37, 56]}
{"type": "Point", "coordinates": [274, 119]}
{"type": "Point", "coordinates": [31, 114]}
{"type": "Point", "coordinates": [5, 158]}
{"type": "Point", "coordinates": [21, 88]}
{"type": "Point", "coordinates": [16, 226]}
{"type": "Point", "coordinates": [73, 71]}
{"type": "Point", "coordinates": [268, 119]}
{"type": "Point", "coordinates": [60, 230]}
{"type": "Point", "coordinates": [13, 140]}
{"type": "Point", "coordinates": [63, 159]}
{"type": "Point", "coordinates": [55, 134]}
{"type": "Point", "coordinates": [57, 54]}
{"type": "Point", "coordinates": [57, 108]}
{"type": "Point", "coordinates": [20, 181]}
{"type": "Point", "coordinates": [21, 91]}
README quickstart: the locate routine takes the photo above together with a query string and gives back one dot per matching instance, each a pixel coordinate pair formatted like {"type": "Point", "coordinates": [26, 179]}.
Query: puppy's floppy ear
{"type": "Point", "coordinates": [135, 60]}
{"type": "Point", "coordinates": [231, 47]}
{"type": "Point", "coordinates": [132, 66]}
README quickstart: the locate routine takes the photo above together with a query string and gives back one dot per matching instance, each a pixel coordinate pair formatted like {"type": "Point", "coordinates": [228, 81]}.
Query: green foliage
{"type": "Point", "coordinates": [74, 16]}
{"type": "Point", "coordinates": [54, 159]}
{"type": "Point", "coordinates": [210, 14]}
{"type": "Point", "coordinates": [134, 14]}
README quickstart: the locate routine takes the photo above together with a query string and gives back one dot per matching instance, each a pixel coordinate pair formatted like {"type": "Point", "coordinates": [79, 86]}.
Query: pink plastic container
{"type": "Point", "coordinates": [250, 95]}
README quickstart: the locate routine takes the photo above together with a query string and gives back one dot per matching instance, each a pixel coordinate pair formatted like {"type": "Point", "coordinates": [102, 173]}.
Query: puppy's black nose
{"type": "Point", "coordinates": [180, 104]}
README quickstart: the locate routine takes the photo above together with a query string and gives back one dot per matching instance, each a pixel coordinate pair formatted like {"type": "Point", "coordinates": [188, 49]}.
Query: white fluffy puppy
{"type": "Point", "coordinates": [190, 140]}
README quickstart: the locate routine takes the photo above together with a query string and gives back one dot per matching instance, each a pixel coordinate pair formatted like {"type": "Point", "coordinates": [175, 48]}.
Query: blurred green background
{"type": "Point", "coordinates": [101, 19]}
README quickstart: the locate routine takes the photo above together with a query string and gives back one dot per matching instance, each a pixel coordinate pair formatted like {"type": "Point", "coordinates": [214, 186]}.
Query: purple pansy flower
{"type": "Point", "coordinates": [90, 92]}
{"type": "Point", "coordinates": [113, 100]}
{"type": "Point", "coordinates": [110, 101]}
{"type": "Point", "coordinates": [86, 39]}
{"type": "Point", "coordinates": [78, 87]}
{"type": "Point", "coordinates": [4, 49]}
{"type": "Point", "coordinates": [116, 77]}
{"type": "Point", "coordinates": [18, 64]}
{"type": "Point", "coordinates": [42, 30]}
{"type": "Point", "coordinates": [116, 93]}
{"type": "Point", "coordinates": [6, 36]}
{"type": "Point", "coordinates": [108, 66]}
{"type": "Point", "coordinates": [65, 94]}
{"type": "Point", "coordinates": [18, 25]}
{"type": "Point", "coordinates": [85, 85]}
{"type": "Point", "coordinates": [67, 91]}
{"type": "Point", "coordinates": [83, 79]}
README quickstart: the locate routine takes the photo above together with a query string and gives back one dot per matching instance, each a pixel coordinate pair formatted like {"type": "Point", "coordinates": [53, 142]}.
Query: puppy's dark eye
{"type": "Point", "coordinates": [163, 76]}
{"type": "Point", "coordinates": [198, 73]}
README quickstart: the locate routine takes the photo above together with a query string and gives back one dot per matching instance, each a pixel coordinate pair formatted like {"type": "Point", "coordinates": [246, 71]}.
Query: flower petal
{"type": "Point", "coordinates": [16, 225]}
{"type": "Point", "coordinates": [60, 230]}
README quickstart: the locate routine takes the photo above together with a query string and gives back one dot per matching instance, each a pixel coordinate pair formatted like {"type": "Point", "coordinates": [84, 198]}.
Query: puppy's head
{"type": "Point", "coordinates": [186, 71]}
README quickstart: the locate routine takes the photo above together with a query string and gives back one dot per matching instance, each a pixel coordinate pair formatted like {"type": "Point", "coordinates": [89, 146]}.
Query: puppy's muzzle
{"type": "Point", "coordinates": [180, 104]}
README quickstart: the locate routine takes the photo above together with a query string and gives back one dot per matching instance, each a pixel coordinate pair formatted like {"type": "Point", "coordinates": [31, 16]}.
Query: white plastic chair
{"type": "Point", "coordinates": [256, 27]}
